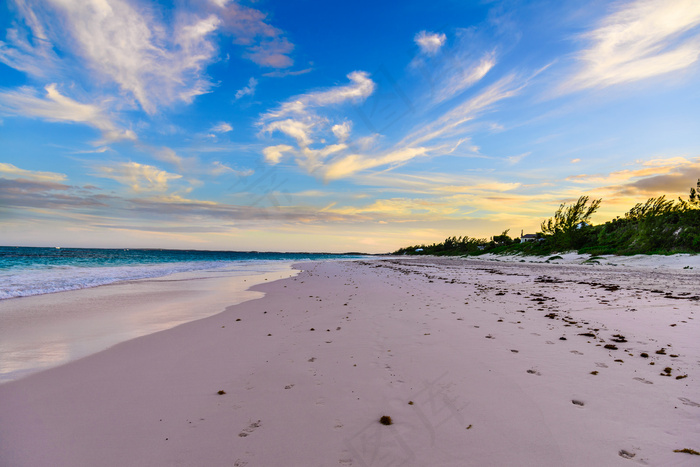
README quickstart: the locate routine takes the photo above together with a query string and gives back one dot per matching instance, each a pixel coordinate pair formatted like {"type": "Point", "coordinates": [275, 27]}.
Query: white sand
{"type": "Point", "coordinates": [468, 342]}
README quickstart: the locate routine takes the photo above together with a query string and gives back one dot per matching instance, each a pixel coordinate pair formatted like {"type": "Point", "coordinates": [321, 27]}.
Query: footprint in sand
{"type": "Point", "coordinates": [626, 454]}
{"type": "Point", "coordinates": [249, 429]}
{"type": "Point", "coordinates": [645, 381]}
{"type": "Point", "coordinates": [601, 365]}
{"type": "Point", "coordinates": [687, 401]}
{"type": "Point", "coordinates": [576, 352]}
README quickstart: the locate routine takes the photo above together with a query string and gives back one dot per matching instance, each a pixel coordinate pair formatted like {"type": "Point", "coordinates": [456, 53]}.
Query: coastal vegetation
{"type": "Point", "coordinates": [657, 226]}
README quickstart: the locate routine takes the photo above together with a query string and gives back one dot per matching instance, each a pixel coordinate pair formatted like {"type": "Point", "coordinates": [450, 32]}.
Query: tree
{"type": "Point", "coordinates": [570, 218]}
{"type": "Point", "coordinates": [652, 208]}
{"type": "Point", "coordinates": [694, 198]}
{"type": "Point", "coordinates": [568, 222]}
{"type": "Point", "coordinates": [503, 238]}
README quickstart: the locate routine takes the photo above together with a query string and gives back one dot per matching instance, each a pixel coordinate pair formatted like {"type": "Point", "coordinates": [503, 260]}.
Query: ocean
{"type": "Point", "coordinates": [26, 271]}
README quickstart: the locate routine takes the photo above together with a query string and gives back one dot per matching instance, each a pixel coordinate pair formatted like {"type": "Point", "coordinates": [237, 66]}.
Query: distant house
{"type": "Point", "coordinates": [481, 247]}
{"type": "Point", "coordinates": [528, 238]}
{"type": "Point", "coordinates": [419, 250]}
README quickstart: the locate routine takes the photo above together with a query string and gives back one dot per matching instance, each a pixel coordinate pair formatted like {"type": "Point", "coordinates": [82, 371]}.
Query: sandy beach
{"type": "Point", "coordinates": [477, 362]}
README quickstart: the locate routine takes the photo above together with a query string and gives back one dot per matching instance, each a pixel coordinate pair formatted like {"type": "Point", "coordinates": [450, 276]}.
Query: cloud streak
{"type": "Point", "coordinates": [139, 177]}
{"type": "Point", "coordinates": [451, 122]}
{"type": "Point", "coordinates": [640, 40]}
{"type": "Point", "coordinates": [248, 90]}
{"type": "Point", "coordinates": [56, 107]}
{"type": "Point", "coordinates": [13, 171]}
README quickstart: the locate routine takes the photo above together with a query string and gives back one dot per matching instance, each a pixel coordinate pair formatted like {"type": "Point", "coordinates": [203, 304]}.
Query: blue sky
{"type": "Point", "coordinates": [327, 126]}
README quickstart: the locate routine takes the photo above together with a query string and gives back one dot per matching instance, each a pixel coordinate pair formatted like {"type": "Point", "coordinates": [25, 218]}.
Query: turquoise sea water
{"type": "Point", "coordinates": [26, 271]}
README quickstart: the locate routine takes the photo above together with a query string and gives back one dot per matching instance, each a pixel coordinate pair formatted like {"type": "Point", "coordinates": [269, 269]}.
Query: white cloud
{"type": "Point", "coordinates": [192, 165]}
{"type": "Point", "coordinates": [274, 154]}
{"type": "Point", "coordinates": [297, 117]}
{"type": "Point", "coordinates": [361, 86]}
{"type": "Point", "coordinates": [349, 165]}
{"type": "Point", "coordinates": [342, 130]}
{"type": "Point", "coordinates": [59, 108]}
{"type": "Point", "coordinates": [300, 119]}
{"type": "Point", "coordinates": [296, 129]}
{"type": "Point", "coordinates": [430, 42]}
{"type": "Point", "coordinates": [642, 39]}
{"type": "Point", "coordinates": [512, 160]}
{"type": "Point", "coordinates": [461, 75]}
{"type": "Point", "coordinates": [218, 168]}
{"type": "Point", "coordinates": [151, 63]}
{"type": "Point", "coordinates": [9, 170]}
{"type": "Point", "coordinates": [139, 177]}
{"type": "Point", "coordinates": [221, 127]}
{"type": "Point", "coordinates": [247, 90]}
{"type": "Point", "coordinates": [28, 49]}
{"type": "Point", "coordinates": [168, 155]}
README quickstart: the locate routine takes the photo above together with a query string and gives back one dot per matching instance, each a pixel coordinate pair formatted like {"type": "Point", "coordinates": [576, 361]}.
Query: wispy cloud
{"type": "Point", "coordinates": [192, 165]}
{"type": "Point", "coordinates": [139, 177]}
{"type": "Point", "coordinates": [512, 160]}
{"type": "Point", "coordinates": [52, 198]}
{"type": "Point", "coordinates": [450, 123]}
{"type": "Point", "coordinates": [649, 178]}
{"type": "Point", "coordinates": [361, 86]}
{"type": "Point", "coordinates": [284, 73]}
{"type": "Point", "coordinates": [463, 75]}
{"type": "Point", "coordinates": [641, 39]}
{"type": "Point", "coordinates": [430, 42]}
{"type": "Point", "coordinates": [128, 46]}
{"type": "Point", "coordinates": [298, 118]}
{"type": "Point", "coordinates": [345, 166]}
{"type": "Point", "coordinates": [56, 107]}
{"type": "Point", "coordinates": [265, 44]}
{"type": "Point", "coordinates": [152, 62]}
{"type": "Point", "coordinates": [448, 70]}
{"type": "Point", "coordinates": [12, 171]}
{"type": "Point", "coordinates": [248, 90]}
{"type": "Point", "coordinates": [221, 127]}
{"type": "Point", "coordinates": [27, 47]}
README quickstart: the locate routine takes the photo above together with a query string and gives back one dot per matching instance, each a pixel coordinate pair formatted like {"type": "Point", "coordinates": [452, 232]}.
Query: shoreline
{"type": "Point", "coordinates": [43, 331]}
{"type": "Point", "coordinates": [309, 368]}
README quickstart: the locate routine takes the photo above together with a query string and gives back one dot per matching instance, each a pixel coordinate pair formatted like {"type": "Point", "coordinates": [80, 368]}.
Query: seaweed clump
{"type": "Point", "coordinates": [687, 451]}
{"type": "Point", "coordinates": [386, 420]}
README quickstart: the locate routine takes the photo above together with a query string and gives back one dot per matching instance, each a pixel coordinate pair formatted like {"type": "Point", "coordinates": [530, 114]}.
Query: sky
{"type": "Point", "coordinates": [336, 126]}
